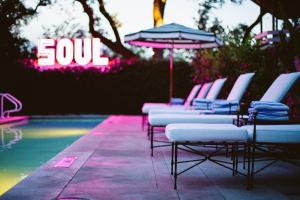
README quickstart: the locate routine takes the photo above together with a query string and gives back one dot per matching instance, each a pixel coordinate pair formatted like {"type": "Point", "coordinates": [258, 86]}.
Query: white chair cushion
{"type": "Point", "coordinates": [275, 133]}
{"type": "Point", "coordinates": [165, 119]}
{"type": "Point", "coordinates": [280, 87]}
{"type": "Point", "coordinates": [215, 89]}
{"type": "Point", "coordinates": [205, 133]}
{"type": "Point", "coordinates": [149, 106]}
{"type": "Point", "coordinates": [204, 90]}
{"type": "Point", "coordinates": [192, 95]}
{"type": "Point", "coordinates": [240, 87]}
{"type": "Point", "coordinates": [175, 111]}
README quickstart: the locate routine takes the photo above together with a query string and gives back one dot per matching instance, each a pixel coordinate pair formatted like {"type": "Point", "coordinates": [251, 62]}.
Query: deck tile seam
{"type": "Point", "coordinates": [152, 162]}
{"type": "Point", "coordinates": [166, 163]}
{"type": "Point", "coordinates": [70, 180]}
{"type": "Point", "coordinates": [86, 160]}
{"type": "Point", "coordinates": [213, 183]}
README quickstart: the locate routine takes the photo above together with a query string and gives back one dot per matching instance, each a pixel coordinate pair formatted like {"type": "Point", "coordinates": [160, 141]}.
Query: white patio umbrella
{"type": "Point", "coordinates": [173, 36]}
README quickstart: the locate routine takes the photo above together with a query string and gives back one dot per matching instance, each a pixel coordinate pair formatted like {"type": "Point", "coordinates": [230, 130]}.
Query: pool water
{"type": "Point", "coordinates": [25, 147]}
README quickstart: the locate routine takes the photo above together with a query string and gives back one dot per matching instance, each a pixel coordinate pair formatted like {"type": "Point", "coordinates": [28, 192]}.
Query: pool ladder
{"type": "Point", "coordinates": [5, 113]}
{"type": "Point", "coordinates": [17, 136]}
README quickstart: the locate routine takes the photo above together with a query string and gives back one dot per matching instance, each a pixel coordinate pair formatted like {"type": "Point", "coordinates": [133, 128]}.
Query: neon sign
{"type": "Point", "coordinates": [66, 51]}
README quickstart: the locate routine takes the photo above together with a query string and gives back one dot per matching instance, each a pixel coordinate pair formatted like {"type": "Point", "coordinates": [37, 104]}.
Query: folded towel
{"type": "Point", "coordinates": [268, 110]}
{"type": "Point", "coordinates": [268, 105]}
{"type": "Point", "coordinates": [271, 108]}
{"type": "Point", "coordinates": [226, 102]}
{"type": "Point", "coordinates": [177, 101]}
{"type": "Point", "coordinates": [225, 107]}
{"type": "Point", "coordinates": [268, 117]}
{"type": "Point", "coordinates": [201, 100]}
{"type": "Point", "coordinates": [228, 110]}
{"type": "Point", "coordinates": [202, 104]}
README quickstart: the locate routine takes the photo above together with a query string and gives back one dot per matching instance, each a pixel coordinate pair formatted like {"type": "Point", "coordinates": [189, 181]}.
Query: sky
{"type": "Point", "coordinates": [136, 15]}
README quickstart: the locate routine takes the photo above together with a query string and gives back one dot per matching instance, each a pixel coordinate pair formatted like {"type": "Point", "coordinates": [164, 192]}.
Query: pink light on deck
{"type": "Point", "coordinates": [66, 162]}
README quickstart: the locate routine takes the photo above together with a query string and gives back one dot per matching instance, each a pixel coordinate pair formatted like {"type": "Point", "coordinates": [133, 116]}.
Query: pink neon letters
{"type": "Point", "coordinates": [82, 51]}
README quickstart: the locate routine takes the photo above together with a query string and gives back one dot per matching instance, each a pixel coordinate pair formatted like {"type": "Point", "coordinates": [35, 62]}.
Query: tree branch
{"type": "Point", "coordinates": [31, 12]}
{"type": "Point", "coordinates": [110, 20]}
{"type": "Point", "coordinates": [41, 3]}
{"type": "Point", "coordinates": [115, 46]}
{"type": "Point", "coordinates": [249, 29]}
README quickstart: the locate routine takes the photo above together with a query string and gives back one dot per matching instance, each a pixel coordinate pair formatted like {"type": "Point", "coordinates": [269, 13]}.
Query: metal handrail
{"type": "Point", "coordinates": [6, 113]}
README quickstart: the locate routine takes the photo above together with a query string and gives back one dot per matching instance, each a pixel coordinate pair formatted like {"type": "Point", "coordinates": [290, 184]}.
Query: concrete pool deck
{"type": "Point", "coordinates": [113, 162]}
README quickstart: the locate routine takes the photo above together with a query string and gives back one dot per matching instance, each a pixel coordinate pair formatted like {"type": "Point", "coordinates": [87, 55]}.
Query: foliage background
{"type": "Point", "coordinates": [238, 56]}
{"type": "Point", "coordinates": [124, 90]}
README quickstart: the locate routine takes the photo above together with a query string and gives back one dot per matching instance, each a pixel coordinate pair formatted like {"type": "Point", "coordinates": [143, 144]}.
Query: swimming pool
{"type": "Point", "coordinates": [28, 145]}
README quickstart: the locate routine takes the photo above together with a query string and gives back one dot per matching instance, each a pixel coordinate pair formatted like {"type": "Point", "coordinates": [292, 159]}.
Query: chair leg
{"type": "Point", "coordinates": [175, 167]}
{"type": "Point", "coordinates": [233, 157]}
{"type": "Point", "coordinates": [226, 147]}
{"type": "Point", "coordinates": [249, 167]}
{"type": "Point", "coordinates": [143, 122]}
{"type": "Point", "coordinates": [148, 129]}
{"type": "Point", "coordinates": [237, 159]}
{"type": "Point", "coordinates": [252, 166]}
{"type": "Point", "coordinates": [172, 158]}
{"type": "Point", "coordinates": [244, 156]}
{"type": "Point", "coordinates": [151, 138]}
{"type": "Point", "coordinates": [148, 133]}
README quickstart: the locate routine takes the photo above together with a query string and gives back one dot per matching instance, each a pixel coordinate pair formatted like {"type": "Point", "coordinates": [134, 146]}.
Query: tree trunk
{"type": "Point", "coordinates": [158, 20]}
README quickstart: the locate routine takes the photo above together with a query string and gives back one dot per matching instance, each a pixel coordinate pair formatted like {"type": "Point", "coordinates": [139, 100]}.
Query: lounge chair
{"type": "Point", "coordinates": [198, 91]}
{"type": "Point", "coordinates": [194, 92]}
{"type": "Point", "coordinates": [247, 139]}
{"type": "Point", "coordinates": [186, 136]}
{"type": "Point", "coordinates": [189, 137]}
{"type": "Point", "coordinates": [276, 92]}
{"type": "Point", "coordinates": [237, 92]}
{"type": "Point", "coordinates": [161, 120]}
{"type": "Point", "coordinates": [147, 106]}
{"type": "Point", "coordinates": [276, 140]}
{"type": "Point", "coordinates": [212, 95]}
{"type": "Point", "coordinates": [209, 92]}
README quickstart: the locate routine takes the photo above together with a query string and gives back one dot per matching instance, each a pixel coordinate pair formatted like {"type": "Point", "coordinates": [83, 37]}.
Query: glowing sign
{"type": "Point", "coordinates": [65, 51]}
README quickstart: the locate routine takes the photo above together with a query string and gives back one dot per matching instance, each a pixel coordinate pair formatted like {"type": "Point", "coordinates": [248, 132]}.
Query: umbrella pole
{"type": "Point", "coordinates": [171, 74]}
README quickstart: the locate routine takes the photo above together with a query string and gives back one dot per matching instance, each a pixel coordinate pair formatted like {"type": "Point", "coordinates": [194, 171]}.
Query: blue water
{"type": "Point", "coordinates": [25, 147]}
